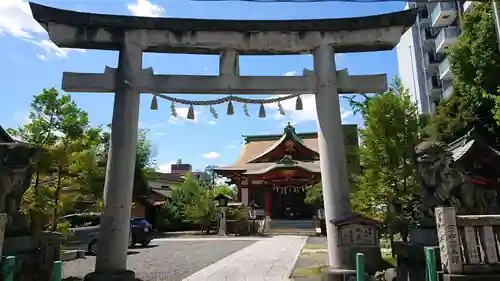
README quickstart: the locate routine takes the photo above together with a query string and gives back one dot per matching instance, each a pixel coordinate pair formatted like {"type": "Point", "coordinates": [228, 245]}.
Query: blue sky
{"type": "Point", "coordinates": [30, 62]}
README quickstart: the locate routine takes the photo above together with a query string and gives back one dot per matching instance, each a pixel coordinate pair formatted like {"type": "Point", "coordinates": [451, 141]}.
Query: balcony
{"type": "Point", "coordinates": [428, 36]}
{"type": "Point", "coordinates": [423, 18]}
{"type": "Point", "coordinates": [445, 38]}
{"type": "Point", "coordinates": [434, 89]}
{"type": "Point", "coordinates": [468, 6]}
{"type": "Point", "coordinates": [432, 61]}
{"type": "Point", "coordinates": [443, 14]}
{"type": "Point", "coordinates": [445, 70]}
{"type": "Point", "coordinates": [447, 93]}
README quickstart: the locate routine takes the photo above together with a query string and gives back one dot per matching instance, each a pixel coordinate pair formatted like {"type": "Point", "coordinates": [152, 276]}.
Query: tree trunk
{"type": "Point", "coordinates": [34, 214]}
{"type": "Point", "coordinates": [57, 195]}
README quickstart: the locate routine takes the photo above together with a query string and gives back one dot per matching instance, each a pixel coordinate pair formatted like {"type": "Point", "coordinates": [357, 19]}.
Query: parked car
{"type": "Point", "coordinates": [142, 232]}
{"type": "Point", "coordinates": [85, 228]}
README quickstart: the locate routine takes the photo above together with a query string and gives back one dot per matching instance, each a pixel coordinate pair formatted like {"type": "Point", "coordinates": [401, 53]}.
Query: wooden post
{"type": "Point", "coordinates": [449, 244]}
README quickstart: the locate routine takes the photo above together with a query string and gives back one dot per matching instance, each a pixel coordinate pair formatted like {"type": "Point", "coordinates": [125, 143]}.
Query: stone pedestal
{"type": "Point", "coordinates": [223, 222]}
{"type": "Point", "coordinates": [411, 256]}
{"type": "Point", "coordinates": [126, 275]}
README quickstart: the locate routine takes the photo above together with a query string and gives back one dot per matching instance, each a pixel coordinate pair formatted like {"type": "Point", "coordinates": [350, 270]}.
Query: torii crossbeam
{"type": "Point", "coordinates": [132, 36]}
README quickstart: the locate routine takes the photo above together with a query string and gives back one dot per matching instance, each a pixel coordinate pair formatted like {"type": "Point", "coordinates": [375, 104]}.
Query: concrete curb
{"type": "Point", "coordinates": [72, 255]}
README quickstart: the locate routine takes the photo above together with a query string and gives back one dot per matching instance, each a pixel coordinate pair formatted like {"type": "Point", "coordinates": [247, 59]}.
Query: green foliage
{"type": "Point", "coordinates": [201, 210]}
{"type": "Point", "coordinates": [224, 189]}
{"type": "Point", "coordinates": [239, 213]}
{"type": "Point", "coordinates": [72, 166]}
{"type": "Point", "coordinates": [475, 62]}
{"type": "Point", "coordinates": [63, 130]}
{"type": "Point", "coordinates": [191, 202]}
{"type": "Point", "coordinates": [387, 188]}
{"type": "Point", "coordinates": [314, 195]}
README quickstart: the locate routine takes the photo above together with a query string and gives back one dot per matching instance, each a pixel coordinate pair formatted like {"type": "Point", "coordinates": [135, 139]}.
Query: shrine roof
{"type": "Point", "coordinates": [463, 145]}
{"type": "Point", "coordinates": [44, 14]}
{"type": "Point", "coordinates": [258, 145]}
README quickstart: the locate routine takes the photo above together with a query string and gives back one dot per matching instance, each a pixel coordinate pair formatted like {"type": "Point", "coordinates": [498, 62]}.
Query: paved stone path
{"type": "Point", "coordinates": [270, 259]}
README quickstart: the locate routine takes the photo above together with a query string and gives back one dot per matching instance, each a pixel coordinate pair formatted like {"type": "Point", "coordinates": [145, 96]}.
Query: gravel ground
{"type": "Point", "coordinates": [165, 260]}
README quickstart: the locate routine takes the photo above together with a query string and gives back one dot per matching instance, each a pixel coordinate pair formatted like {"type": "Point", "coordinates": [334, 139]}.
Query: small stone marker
{"type": "Point", "coordinates": [357, 230]}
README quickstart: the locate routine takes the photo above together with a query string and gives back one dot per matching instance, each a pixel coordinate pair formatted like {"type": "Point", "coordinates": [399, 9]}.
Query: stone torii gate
{"type": "Point", "coordinates": [132, 36]}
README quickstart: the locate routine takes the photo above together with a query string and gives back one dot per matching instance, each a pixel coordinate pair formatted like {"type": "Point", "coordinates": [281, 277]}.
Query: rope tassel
{"type": "Point", "coordinates": [298, 104]}
{"type": "Point", "coordinates": [280, 109]}
{"type": "Point", "coordinates": [230, 108]}
{"type": "Point", "coordinates": [262, 111]}
{"type": "Point", "coordinates": [154, 103]}
{"type": "Point", "coordinates": [190, 114]}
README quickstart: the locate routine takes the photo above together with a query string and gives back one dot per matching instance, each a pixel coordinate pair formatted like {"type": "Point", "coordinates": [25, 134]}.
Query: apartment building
{"type": "Point", "coordinates": [423, 66]}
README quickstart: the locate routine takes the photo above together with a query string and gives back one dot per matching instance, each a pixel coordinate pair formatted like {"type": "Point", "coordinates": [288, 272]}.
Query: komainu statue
{"type": "Point", "coordinates": [17, 162]}
{"type": "Point", "coordinates": [445, 184]}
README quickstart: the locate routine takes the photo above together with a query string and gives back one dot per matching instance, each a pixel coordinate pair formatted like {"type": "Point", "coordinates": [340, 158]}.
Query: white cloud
{"type": "Point", "coordinates": [144, 8]}
{"type": "Point", "coordinates": [211, 122]}
{"type": "Point", "coordinates": [211, 155]}
{"type": "Point", "coordinates": [291, 73]}
{"type": "Point", "coordinates": [16, 21]}
{"type": "Point", "coordinates": [182, 116]}
{"type": "Point", "coordinates": [165, 168]}
{"type": "Point", "coordinates": [42, 57]}
{"type": "Point", "coordinates": [308, 112]}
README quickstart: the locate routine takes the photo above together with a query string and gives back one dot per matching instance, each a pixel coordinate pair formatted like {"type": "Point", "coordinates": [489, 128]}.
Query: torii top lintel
{"type": "Point", "coordinates": [72, 29]}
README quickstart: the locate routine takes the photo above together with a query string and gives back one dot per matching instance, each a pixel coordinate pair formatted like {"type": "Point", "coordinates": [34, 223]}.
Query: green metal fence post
{"type": "Point", "coordinates": [57, 271]}
{"type": "Point", "coordinates": [8, 268]}
{"type": "Point", "coordinates": [360, 267]}
{"type": "Point", "coordinates": [430, 257]}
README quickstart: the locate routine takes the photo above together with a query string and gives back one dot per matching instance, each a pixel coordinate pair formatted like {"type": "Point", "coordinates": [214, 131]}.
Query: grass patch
{"type": "Point", "coordinates": [315, 246]}
{"type": "Point", "coordinates": [312, 271]}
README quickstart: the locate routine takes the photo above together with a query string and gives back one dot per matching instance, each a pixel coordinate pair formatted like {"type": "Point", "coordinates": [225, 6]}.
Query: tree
{"type": "Point", "coordinates": [314, 195]}
{"type": "Point", "coordinates": [201, 210]}
{"type": "Point", "coordinates": [475, 63]}
{"type": "Point", "coordinates": [209, 178]}
{"type": "Point", "coordinates": [387, 188]}
{"type": "Point", "coordinates": [62, 129]}
{"type": "Point", "coordinates": [95, 160]}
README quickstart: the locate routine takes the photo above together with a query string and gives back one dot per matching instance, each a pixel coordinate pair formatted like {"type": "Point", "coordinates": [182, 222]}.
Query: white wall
{"type": "Point", "coordinates": [410, 66]}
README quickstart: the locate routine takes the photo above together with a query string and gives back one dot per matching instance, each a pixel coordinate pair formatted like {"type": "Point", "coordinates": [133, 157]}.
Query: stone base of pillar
{"type": "Point", "coordinates": [330, 274]}
{"type": "Point", "coordinates": [126, 275]}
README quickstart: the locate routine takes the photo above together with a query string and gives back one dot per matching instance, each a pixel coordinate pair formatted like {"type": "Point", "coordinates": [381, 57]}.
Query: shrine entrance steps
{"type": "Point", "coordinates": [292, 227]}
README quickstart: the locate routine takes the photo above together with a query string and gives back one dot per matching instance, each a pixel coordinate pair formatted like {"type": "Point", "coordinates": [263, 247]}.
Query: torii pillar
{"type": "Point", "coordinates": [335, 182]}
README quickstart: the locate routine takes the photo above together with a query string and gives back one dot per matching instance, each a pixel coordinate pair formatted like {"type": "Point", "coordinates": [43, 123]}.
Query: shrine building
{"type": "Point", "coordinates": [274, 171]}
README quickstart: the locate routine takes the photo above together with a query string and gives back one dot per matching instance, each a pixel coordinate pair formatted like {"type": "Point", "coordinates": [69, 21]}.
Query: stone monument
{"type": "Point", "coordinates": [132, 36]}
{"type": "Point", "coordinates": [359, 234]}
